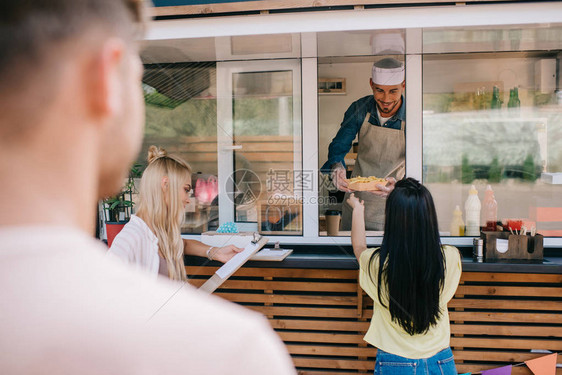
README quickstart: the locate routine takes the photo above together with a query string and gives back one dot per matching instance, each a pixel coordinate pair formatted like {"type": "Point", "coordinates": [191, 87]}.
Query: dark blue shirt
{"type": "Point", "coordinates": [351, 124]}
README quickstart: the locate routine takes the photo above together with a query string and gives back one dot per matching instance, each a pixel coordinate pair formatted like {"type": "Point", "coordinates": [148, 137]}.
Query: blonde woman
{"type": "Point", "coordinates": [152, 240]}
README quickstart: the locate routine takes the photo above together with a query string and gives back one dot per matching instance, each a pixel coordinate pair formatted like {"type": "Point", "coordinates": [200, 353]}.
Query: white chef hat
{"type": "Point", "coordinates": [388, 72]}
{"type": "Point", "coordinates": [388, 44]}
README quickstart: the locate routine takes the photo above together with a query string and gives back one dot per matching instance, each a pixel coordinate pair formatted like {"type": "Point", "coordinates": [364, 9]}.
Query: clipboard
{"type": "Point", "coordinates": [227, 269]}
{"type": "Point", "coordinates": [272, 255]}
{"type": "Point", "coordinates": [277, 254]}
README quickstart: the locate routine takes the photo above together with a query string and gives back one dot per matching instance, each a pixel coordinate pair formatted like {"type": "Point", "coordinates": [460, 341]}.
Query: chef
{"type": "Point", "coordinates": [379, 122]}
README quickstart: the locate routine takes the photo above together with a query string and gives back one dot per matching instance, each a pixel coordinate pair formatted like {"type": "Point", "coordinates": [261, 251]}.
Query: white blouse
{"type": "Point", "coordinates": [137, 245]}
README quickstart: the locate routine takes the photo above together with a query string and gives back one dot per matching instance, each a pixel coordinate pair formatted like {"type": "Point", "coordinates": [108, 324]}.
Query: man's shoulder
{"type": "Point", "coordinates": [52, 265]}
{"type": "Point", "coordinates": [364, 102]}
{"type": "Point", "coordinates": [163, 299]}
{"type": "Point", "coordinates": [188, 322]}
{"type": "Point", "coordinates": [357, 110]}
{"type": "Point", "coordinates": [72, 288]}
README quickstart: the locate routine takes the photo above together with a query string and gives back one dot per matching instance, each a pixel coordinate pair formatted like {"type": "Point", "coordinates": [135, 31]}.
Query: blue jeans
{"type": "Point", "coordinates": [441, 363]}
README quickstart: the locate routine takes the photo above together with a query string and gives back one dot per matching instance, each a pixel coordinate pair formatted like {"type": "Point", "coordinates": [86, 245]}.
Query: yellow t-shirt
{"type": "Point", "coordinates": [387, 334]}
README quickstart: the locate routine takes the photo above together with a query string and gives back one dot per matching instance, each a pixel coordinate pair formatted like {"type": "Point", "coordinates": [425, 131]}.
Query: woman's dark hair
{"type": "Point", "coordinates": [411, 261]}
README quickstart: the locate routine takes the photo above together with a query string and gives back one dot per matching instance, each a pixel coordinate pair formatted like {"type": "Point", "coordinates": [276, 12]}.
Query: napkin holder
{"type": "Point", "coordinates": [507, 246]}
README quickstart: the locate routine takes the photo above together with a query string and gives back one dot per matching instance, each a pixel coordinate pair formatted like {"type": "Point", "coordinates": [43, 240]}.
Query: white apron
{"type": "Point", "coordinates": [382, 153]}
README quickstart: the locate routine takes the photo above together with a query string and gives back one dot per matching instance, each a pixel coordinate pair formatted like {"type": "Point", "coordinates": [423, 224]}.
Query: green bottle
{"type": "Point", "coordinates": [516, 101]}
{"type": "Point", "coordinates": [511, 102]}
{"type": "Point", "coordinates": [496, 101]}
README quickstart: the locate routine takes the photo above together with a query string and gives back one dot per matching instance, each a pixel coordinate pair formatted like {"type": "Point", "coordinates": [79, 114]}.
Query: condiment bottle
{"type": "Point", "coordinates": [514, 101]}
{"type": "Point", "coordinates": [496, 102]}
{"type": "Point", "coordinates": [511, 102]}
{"type": "Point", "coordinates": [478, 250]}
{"type": "Point", "coordinates": [472, 207]}
{"type": "Point", "coordinates": [457, 225]}
{"type": "Point", "coordinates": [490, 209]}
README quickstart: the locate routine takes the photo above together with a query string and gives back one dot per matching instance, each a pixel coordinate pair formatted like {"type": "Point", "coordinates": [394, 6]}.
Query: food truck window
{"type": "Point", "coordinates": [181, 116]}
{"type": "Point", "coordinates": [236, 120]}
{"type": "Point", "coordinates": [331, 109]}
{"type": "Point", "coordinates": [492, 119]}
{"type": "Point", "coordinates": [260, 148]}
{"type": "Point", "coordinates": [232, 105]}
{"type": "Point", "coordinates": [361, 121]}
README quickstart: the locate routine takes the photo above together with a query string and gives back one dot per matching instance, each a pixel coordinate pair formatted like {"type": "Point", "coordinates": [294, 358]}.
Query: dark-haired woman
{"type": "Point", "coordinates": [410, 278]}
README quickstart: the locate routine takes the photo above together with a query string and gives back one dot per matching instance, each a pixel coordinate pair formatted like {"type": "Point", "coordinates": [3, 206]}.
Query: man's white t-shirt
{"type": "Point", "coordinates": [382, 120]}
{"type": "Point", "coordinates": [69, 309]}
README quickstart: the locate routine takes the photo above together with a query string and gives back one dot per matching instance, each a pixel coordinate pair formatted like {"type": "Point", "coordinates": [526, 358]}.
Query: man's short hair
{"type": "Point", "coordinates": [31, 34]}
{"type": "Point", "coordinates": [28, 27]}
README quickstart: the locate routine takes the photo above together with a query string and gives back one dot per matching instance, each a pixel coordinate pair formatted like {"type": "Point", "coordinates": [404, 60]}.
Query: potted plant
{"type": "Point", "coordinates": [118, 208]}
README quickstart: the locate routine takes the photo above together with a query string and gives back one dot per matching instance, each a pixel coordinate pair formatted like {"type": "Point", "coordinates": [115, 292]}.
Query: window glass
{"type": "Point", "coordinates": [493, 39]}
{"type": "Point", "coordinates": [355, 136]}
{"type": "Point", "coordinates": [181, 116]}
{"type": "Point", "coordinates": [494, 121]}
{"type": "Point", "coordinates": [360, 43]}
{"type": "Point", "coordinates": [242, 136]}
{"type": "Point", "coordinates": [263, 129]}
{"type": "Point", "coordinates": [350, 126]}
{"type": "Point", "coordinates": [331, 109]}
{"type": "Point", "coordinates": [266, 147]}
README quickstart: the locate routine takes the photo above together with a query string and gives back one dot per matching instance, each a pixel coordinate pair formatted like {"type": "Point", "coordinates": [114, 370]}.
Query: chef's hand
{"type": "Point", "coordinates": [225, 253]}
{"type": "Point", "coordinates": [338, 178]}
{"type": "Point", "coordinates": [384, 190]}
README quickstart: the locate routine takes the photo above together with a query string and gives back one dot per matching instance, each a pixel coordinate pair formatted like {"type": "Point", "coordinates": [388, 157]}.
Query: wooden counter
{"type": "Point", "coordinates": [322, 314]}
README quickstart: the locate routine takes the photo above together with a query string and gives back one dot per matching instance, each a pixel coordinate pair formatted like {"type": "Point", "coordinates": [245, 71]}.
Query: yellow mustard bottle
{"type": "Point", "coordinates": [457, 225]}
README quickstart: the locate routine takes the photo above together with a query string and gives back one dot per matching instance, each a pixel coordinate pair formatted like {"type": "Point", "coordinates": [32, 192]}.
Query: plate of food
{"type": "Point", "coordinates": [365, 183]}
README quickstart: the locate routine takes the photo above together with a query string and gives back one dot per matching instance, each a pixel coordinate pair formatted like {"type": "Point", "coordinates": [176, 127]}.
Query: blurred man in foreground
{"type": "Point", "coordinates": [71, 122]}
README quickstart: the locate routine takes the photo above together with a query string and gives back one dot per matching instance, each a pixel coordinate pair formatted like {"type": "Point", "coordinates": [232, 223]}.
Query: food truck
{"type": "Point", "coordinates": [252, 94]}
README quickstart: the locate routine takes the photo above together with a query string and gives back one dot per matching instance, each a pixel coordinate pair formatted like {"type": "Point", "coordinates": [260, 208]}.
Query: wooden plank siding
{"type": "Point", "coordinates": [322, 316]}
{"type": "Point", "coordinates": [264, 6]}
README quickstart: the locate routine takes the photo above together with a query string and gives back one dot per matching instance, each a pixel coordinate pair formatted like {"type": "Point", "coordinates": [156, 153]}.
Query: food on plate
{"type": "Point", "coordinates": [365, 183]}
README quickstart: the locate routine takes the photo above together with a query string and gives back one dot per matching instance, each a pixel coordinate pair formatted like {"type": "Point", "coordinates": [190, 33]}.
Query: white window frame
{"type": "Point", "coordinates": [225, 131]}
{"type": "Point", "coordinates": [413, 19]}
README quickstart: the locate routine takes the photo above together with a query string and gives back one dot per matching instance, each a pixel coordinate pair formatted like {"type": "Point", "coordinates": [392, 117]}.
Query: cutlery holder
{"type": "Point", "coordinates": [504, 245]}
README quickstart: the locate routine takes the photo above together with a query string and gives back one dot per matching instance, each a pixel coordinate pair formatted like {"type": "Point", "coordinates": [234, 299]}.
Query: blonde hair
{"type": "Point", "coordinates": [163, 211]}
